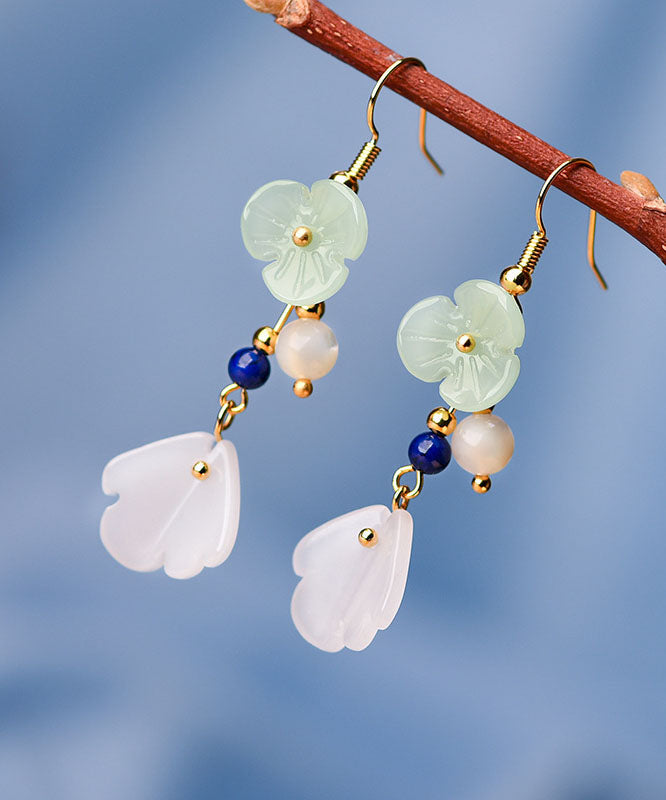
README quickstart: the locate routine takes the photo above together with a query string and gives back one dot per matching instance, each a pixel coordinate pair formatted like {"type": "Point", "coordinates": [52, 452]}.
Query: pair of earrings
{"type": "Point", "coordinates": [179, 498]}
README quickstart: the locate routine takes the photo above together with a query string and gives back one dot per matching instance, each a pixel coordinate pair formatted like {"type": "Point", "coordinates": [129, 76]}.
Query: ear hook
{"type": "Point", "coordinates": [422, 141]}
{"type": "Point", "coordinates": [422, 120]}
{"type": "Point", "coordinates": [592, 226]}
{"type": "Point", "coordinates": [517, 279]}
{"type": "Point", "coordinates": [370, 150]}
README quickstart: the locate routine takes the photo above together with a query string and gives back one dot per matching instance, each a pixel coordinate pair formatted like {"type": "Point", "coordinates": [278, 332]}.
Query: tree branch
{"type": "Point", "coordinates": [637, 213]}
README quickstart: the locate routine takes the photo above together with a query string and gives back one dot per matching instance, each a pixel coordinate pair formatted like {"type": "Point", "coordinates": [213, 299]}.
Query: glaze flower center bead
{"type": "Point", "coordinates": [302, 236]}
{"type": "Point", "coordinates": [467, 345]}
{"type": "Point", "coordinates": [306, 235]}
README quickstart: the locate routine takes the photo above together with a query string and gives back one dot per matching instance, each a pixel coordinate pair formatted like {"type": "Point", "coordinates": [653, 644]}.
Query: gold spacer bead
{"type": "Point", "coordinates": [301, 236]}
{"type": "Point", "coordinates": [345, 178]}
{"type": "Point", "coordinates": [441, 420]}
{"type": "Point", "coordinates": [311, 312]}
{"type": "Point", "coordinates": [481, 484]}
{"type": "Point", "coordinates": [465, 343]}
{"type": "Point", "coordinates": [367, 537]}
{"type": "Point", "coordinates": [515, 280]}
{"type": "Point", "coordinates": [201, 470]}
{"type": "Point", "coordinates": [265, 340]}
{"type": "Point", "coordinates": [303, 387]}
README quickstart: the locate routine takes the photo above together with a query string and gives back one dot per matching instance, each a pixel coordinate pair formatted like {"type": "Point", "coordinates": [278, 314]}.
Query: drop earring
{"type": "Point", "coordinates": [468, 346]}
{"type": "Point", "coordinates": [179, 498]}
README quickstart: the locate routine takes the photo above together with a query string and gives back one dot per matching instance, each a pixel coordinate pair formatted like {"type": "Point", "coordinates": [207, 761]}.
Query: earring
{"type": "Point", "coordinates": [179, 498]}
{"type": "Point", "coordinates": [468, 345]}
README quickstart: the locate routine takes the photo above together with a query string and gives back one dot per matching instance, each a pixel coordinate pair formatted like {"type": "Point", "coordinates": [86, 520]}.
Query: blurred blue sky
{"type": "Point", "coordinates": [528, 658]}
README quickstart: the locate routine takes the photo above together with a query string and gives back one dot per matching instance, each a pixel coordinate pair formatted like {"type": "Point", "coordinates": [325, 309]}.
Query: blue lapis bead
{"type": "Point", "coordinates": [430, 452]}
{"type": "Point", "coordinates": [249, 368]}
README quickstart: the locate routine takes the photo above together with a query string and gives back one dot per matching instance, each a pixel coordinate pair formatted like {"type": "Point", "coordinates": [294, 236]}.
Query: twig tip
{"type": "Point", "coordinates": [267, 6]}
{"type": "Point", "coordinates": [644, 188]}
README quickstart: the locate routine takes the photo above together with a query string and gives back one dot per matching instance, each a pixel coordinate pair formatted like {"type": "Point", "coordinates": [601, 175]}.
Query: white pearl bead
{"type": "Point", "coordinates": [306, 348]}
{"type": "Point", "coordinates": [482, 444]}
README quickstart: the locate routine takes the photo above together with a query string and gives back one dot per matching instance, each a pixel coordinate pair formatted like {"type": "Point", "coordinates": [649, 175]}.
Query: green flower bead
{"type": "Point", "coordinates": [468, 345]}
{"type": "Point", "coordinates": [306, 234]}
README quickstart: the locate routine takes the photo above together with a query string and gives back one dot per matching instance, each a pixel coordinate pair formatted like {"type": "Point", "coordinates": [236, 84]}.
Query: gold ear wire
{"type": "Point", "coordinates": [370, 150]}
{"type": "Point", "coordinates": [517, 279]}
{"type": "Point", "coordinates": [592, 225]}
{"type": "Point", "coordinates": [422, 141]}
{"type": "Point", "coordinates": [422, 117]}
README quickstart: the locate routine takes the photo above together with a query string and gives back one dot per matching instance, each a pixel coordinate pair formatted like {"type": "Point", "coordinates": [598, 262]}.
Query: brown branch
{"type": "Point", "coordinates": [637, 214]}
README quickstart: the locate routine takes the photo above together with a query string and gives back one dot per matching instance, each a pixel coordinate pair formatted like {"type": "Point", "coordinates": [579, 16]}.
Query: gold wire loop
{"type": "Point", "coordinates": [540, 234]}
{"type": "Point", "coordinates": [402, 489]}
{"type": "Point", "coordinates": [234, 409]}
{"type": "Point", "coordinates": [399, 499]}
{"type": "Point", "coordinates": [237, 407]}
{"type": "Point", "coordinates": [229, 408]}
{"type": "Point", "coordinates": [224, 419]}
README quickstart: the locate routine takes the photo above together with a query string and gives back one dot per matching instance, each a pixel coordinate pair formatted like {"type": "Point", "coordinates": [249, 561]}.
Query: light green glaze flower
{"type": "Point", "coordinates": [470, 344]}
{"type": "Point", "coordinates": [337, 228]}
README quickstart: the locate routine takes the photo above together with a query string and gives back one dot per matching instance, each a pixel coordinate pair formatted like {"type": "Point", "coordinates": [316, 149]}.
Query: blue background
{"type": "Point", "coordinates": [528, 658]}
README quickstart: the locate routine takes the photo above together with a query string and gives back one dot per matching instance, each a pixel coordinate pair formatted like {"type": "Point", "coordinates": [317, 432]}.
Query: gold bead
{"type": "Point", "coordinates": [441, 420]}
{"type": "Point", "coordinates": [201, 470]}
{"type": "Point", "coordinates": [302, 236]}
{"type": "Point", "coordinates": [265, 339]}
{"type": "Point", "coordinates": [311, 312]}
{"type": "Point", "coordinates": [515, 280]}
{"type": "Point", "coordinates": [367, 537]}
{"type": "Point", "coordinates": [345, 178]}
{"type": "Point", "coordinates": [303, 387]}
{"type": "Point", "coordinates": [481, 484]}
{"type": "Point", "coordinates": [465, 343]}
